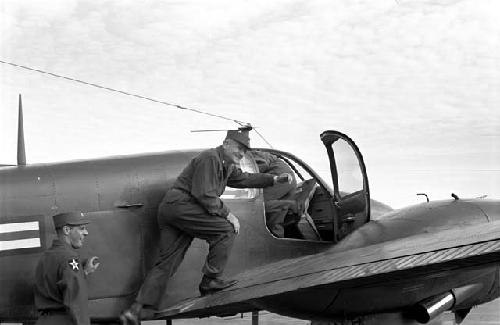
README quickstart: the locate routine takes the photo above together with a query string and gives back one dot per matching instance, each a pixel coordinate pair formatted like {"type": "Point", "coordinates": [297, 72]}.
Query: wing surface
{"type": "Point", "coordinates": [426, 253]}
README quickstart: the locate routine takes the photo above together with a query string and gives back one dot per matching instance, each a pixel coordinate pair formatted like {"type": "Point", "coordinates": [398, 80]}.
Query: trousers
{"type": "Point", "coordinates": [276, 211]}
{"type": "Point", "coordinates": [180, 222]}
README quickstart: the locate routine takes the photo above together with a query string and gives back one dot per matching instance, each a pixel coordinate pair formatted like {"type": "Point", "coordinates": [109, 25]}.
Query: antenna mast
{"type": "Point", "coordinates": [21, 153]}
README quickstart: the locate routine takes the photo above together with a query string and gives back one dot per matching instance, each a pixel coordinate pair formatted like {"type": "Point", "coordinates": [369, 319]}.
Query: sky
{"type": "Point", "coordinates": [416, 84]}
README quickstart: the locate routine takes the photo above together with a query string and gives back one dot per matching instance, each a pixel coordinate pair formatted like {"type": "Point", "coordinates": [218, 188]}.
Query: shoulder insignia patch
{"type": "Point", "coordinates": [74, 264]}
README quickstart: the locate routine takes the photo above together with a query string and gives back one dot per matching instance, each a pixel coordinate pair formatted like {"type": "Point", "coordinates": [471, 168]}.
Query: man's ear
{"type": "Point", "coordinates": [66, 229]}
{"type": "Point", "coordinates": [226, 143]}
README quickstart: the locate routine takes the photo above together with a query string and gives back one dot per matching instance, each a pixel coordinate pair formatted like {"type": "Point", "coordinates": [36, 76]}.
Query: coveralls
{"type": "Point", "coordinates": [61, 295]}
{"type": "Point", "coordinates": [279, 199]}
{"type": "Point", "coordinates": [192, 208]}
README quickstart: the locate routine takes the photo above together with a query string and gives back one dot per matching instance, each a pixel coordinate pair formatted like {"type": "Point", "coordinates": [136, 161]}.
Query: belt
{"type": "Point", "coordinates": [48, 312]}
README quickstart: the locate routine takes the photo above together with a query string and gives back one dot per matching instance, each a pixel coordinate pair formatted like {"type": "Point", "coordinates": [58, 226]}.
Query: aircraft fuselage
{"type": "Point", "coordinates": [121, 195]}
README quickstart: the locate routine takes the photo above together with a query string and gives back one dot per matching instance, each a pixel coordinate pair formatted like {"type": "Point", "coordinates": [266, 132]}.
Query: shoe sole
{"type": "Point", "coordinates": [205, 292]}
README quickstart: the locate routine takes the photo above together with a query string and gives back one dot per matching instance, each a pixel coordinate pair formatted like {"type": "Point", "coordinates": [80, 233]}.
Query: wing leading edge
{"type": "Point", "coordinates": [470, 246]}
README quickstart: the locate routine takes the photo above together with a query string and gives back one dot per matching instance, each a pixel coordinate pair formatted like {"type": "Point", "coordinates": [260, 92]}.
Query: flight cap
{"type": "Point", "coordinates": [70, 219]}
{"type": "Point", "coordinates": [240, 136]}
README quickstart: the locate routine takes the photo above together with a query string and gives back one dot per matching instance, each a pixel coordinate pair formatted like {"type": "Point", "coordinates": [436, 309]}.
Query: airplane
{"type": "Point", "coordinates": [348, 259]}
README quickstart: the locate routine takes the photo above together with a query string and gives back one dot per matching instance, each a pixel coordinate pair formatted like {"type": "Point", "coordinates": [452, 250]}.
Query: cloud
{"type": "Point", "coordinates": [401, 77]}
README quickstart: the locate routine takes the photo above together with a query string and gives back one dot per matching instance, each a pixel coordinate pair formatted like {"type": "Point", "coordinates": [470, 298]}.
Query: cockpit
{"type": "Point", "coordinates": [312, 209]}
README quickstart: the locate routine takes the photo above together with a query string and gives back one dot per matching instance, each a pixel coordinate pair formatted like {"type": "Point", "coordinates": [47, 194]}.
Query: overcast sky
{"type": "Point", "coordinates": [415, 83]}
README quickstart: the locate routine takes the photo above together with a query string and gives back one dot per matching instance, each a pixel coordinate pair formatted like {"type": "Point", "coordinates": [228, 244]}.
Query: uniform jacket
{"type": "Point", "coordinates": [60, 283]}
{"type": "Point", "coordinates": [269, 163]}
{"type": "Point", "coordinates": [206, 176]}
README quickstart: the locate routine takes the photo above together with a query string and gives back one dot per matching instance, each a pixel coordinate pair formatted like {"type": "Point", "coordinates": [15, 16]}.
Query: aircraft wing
{"type": "Point", "coordinates": [422, 254]}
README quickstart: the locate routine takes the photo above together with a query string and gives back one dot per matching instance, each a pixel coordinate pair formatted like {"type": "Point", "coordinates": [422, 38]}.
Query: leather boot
{"type": "Point", "coordinates": [211, 285]}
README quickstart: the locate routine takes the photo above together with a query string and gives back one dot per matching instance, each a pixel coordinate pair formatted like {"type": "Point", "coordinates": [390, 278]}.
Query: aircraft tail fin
{"type": "Point", "coordinates": [21, 153]}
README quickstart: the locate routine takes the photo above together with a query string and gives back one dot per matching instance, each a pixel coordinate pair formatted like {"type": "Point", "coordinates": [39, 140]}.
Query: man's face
{"type": "Point", "coordinates": [76, 235]}
{"type": "Point", "coordinates": [234, 151]}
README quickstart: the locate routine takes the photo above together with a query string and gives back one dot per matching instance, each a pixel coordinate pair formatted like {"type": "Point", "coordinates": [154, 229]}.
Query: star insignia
{"type": "Point", "coordinates": [74, 265]}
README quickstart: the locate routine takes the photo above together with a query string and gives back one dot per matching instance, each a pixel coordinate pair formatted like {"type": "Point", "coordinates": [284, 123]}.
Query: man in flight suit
{"type": "Point", "coordinates": [279, 199]}
{"type": "Point", "coordinates": [192, 208]}
{"type": "Point", "coordinates": [60, 286]}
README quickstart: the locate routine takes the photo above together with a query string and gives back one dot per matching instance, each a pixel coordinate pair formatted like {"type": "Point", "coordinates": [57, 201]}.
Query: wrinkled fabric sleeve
{"type": "Point", "coordinates": [74, 295]}
{"type": "Point", "coordinates": [262, 162]}
{"type": "Point", "coordinates": [204, 186]}
{"type": "Point", "coordinates": [239, 179]}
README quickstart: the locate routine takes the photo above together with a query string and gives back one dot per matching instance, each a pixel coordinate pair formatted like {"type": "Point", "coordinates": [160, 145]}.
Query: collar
{"type": "Point", "coordinates": [220, 152]}
{"type": "Point", "coordinates": [58, 243]}
{"type": "Point", "coordinates": [226, 166]}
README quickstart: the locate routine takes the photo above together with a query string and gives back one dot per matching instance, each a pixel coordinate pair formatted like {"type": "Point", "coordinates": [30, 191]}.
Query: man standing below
{"type": "Point", "coordinates": [192, 208]}
{"type": "Point", "coordinates": [60, 287]}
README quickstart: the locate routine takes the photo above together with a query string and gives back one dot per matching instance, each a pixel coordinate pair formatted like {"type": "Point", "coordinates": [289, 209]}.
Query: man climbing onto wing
{"type": "Point", "coordinates": [192, 208]}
